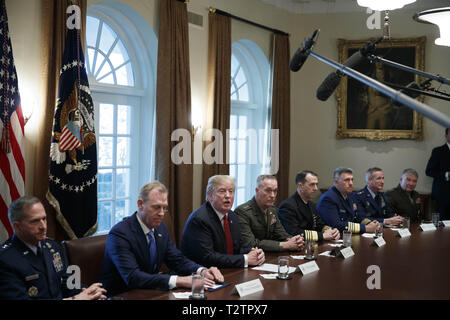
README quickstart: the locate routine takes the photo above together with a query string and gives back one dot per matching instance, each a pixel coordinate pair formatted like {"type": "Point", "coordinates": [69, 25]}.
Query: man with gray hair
{"type": "Point", "coordinates": [403, 199]}
{"type": "Point", "coordinates": [258, 219]}
{"type": "Point", "coordinates": [338, 208]}
{"type": "Point", "coordinates": [212, 235]}
{"type": "Point", "coordinates": [32, 266]}
{"type": "Point", "coordinates": [371, 199]}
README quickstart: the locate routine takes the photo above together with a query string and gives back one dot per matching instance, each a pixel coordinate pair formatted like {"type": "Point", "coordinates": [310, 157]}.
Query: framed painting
{"type": "Point", "coordinates": [364, 112]}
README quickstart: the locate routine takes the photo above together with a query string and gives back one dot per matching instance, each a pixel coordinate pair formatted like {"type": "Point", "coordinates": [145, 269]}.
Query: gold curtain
{"type": "Point", "coordinates": [219, 77]}
{"type": "Point", "coordinates": [281, 104]}
{"type": "Point", "coordinates": [173, 111]}
{"type": "Point", "coordinates": [54, 29]}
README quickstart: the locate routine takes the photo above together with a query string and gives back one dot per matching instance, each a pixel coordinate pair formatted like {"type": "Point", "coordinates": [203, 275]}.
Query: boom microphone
{"type": "Point", "coordinates": [302, 53]}
{"type": "Point", "coordinates": [356, 60]}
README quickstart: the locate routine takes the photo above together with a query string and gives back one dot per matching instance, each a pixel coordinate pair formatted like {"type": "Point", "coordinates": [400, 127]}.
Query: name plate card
{"type": "Point", "coordinates": [403, 233]}
{"type": "Point", "coordinates": [347, 252]}
{"type": "Point", "coordinates": [446, 223]}
{"type": "Point", "coordinates": [379, 241]}
{"type": "Point", "coordinates": [308, 267]}
{"type": "Point", "coordinates": [427, 227]}
{"type": "Point", "coordinates": [249, 287]}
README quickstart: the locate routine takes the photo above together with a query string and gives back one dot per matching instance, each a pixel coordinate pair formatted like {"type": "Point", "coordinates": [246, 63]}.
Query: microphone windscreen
{"type": "Point", "coordinates": [297, 60]}
{"type": "Point", "coordinates": [328, 86]}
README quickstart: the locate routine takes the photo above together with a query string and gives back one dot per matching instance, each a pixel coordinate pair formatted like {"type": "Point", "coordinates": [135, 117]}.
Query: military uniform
{"type": "Point", "coordinates": [25, 275]}
{"type": "Point", "coordinates": [404, 204]}
{"type": "Point", "coordinates": [259, 229]}
{"type": "Point", "coordinates": [341, 213]}
{"type": "Point", "coordinates": [372, 209]}
{"type": "Point", "coordinates": [302, 218]}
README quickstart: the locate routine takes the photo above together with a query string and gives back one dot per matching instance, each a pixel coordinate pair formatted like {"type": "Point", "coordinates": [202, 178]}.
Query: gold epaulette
{"type": "Point", "coordinates": [366, 221]}
{"type": "Point", "coordinates": [311, 235]}
{"type": "Point", "coordinates": [354, 227]}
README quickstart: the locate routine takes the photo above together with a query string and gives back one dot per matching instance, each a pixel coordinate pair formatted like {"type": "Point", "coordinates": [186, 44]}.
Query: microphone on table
{"type": "Point", "coordinates": [356, 60]}
{"type": "Point", "coordinates": [302, 53]}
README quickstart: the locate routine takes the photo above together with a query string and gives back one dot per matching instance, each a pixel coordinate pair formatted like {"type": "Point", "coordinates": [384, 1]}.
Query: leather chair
{"type": "Point", "coordinates": [88, 254]}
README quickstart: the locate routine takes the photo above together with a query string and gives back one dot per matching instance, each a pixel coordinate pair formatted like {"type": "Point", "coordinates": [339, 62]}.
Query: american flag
{"type": "Point", "coordinates": [12, 164]}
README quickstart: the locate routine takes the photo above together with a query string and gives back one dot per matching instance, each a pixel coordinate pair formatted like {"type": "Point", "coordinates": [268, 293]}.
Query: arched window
{"type": "Point", "coordinates": [249, 116]}
{"type": "Point", "coordinates": [122, 81]}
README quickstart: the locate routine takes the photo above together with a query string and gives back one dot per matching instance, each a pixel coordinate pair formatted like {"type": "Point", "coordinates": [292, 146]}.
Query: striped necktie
{"type": "Point", "coordinates": [228, 238]}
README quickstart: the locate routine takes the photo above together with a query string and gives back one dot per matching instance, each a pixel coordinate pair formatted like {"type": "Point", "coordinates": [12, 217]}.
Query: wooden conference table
{"type": "Point", "coordinates": [415, 267]}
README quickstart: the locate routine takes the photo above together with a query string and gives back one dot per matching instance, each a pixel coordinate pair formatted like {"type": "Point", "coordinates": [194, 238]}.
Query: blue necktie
{"type": "Point", "coordinates": [152, 246]}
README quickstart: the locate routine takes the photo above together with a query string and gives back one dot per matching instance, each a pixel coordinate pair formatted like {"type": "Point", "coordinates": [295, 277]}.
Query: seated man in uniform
{"type": "Point", "coordinates": [298, 213]}
{"type": "Point", "coordinates": [137, 246]}
{"type": "Point", "coordinates": [260, 226]}
{"type": "Point", "coordinates": [372, 199]}
{"type": "Point", "coordinates": [404, 199]}
{"type": "Point", "coordinates": [32, 265]}
{"type": "Point", "coordinates": [338, 208]}
{"type": "Point", "coordinates": [212, 235]}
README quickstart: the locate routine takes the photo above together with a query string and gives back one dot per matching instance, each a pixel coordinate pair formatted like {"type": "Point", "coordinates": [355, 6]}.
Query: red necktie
{"type": "Point", "coordinates": [228, 239]}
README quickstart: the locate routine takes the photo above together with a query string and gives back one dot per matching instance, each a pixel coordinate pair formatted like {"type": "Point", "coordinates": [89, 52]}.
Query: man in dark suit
{"type": "Point", "coordinates": [137, 246]}
{"type": "Point", "coordinates": [338, 208]}
{"type": "Point", "coordinates": [298, 213]}
{"type": "Point", "coordinates": [259, 223]}
{"type": "Point", "coordinates": [32, 266]}
{"type": "Point", "coordinates": [438, 168]}
{"type": "Point", "coordinates": [372, 199]}
{"type": "Point", "coordinates": [212, 234]}
{"type": "Point", "coordinates": [403, 199]}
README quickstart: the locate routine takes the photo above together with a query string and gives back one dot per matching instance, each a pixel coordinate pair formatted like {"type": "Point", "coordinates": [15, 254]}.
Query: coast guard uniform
{"type": "Point", "coordinates": [341, 213]}
{"type": "Point", "coordinates": [26, 274]}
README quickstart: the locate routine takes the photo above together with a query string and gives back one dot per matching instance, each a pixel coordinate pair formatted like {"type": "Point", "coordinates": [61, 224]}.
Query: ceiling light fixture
{"type": "Point", "coordinates": [382, 5]}
{"type": "Point", "coordinates": [439, 17]}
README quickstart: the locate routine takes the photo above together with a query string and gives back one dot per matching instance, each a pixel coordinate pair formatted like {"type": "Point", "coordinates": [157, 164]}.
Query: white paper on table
{"type": "Point", "coordinates": [334, 244]}
{"type": "Point", "coordinates": [270, 276]}
{"type": "Point", "coordinates": [181, 295]}
{"type": "Point", "coordinates": [396, 229]}
{"type": "Point", "coordinates": [368, 235]}
{"type": "Point", "coordinates": [340, 241]}
{"type": "Point", "coordinates": [270, 267]}
{"type": "Point", "coordinates": [298, 257]}
{"type": "Point", "coordinates": [326, 254]}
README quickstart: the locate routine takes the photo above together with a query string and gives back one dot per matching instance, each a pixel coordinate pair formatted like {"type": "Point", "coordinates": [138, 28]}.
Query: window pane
{"type": "Point", "coordinates": [233, 170]}
{"type": "Point", "coordinates": [104, 216]}
{"type": "Point", "coordinates": [234, 65]}
{"type": "Point", "coordinates": [243, 93]}
{"type": "Point", "coordinates": [91, 25]}
{"type": "Point", "coordinates": [107, 38]}
{"type": "Point", "coordinates": [232, 151]}
{"type": "Point", "coordinates": [105, 184]}
{"type": "Point", "coordinates": [242, 151]}
{"type": "Point", "coordinates": [122, 208]}
{"type": "Point", "coordinates": [98, 63]}
{"type": "Point", "coordinates": [106, 118]}
{"type": "Point", "coordinates": [233, 126]}
{"type": "Point", "coordinates": [123, 151]}
{"type": "Point", "coordinates": [123, 119]}
{"type": "Point", "coordinates": [109, 79]}
{"type": "Point", "coordinates": [91, 53]}
{"type": "Point", "coordinates": [240, 199]}
{"type": "Point", "coordinates": [119, 55]}
{"type": "Point", "coordinates": [123, 183]}
{"type": "Point", "coordinates": [125, 75]}
{"type": "Point", "coordinates": [240, 78]}
{"type": "Point", "coordinates": [242, 172]}
{"type": "Point", "coordinates": [106, 68]}
{"type": "Point", "coordinates": [105, 152]}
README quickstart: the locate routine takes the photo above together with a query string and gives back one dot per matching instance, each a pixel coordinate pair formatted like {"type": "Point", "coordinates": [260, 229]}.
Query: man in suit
{"type": "Point", "coordinates": [212, 235]}
{"type": "Point", "coordinates": [438, 168]}
{"type": "Point", "coordinates": [259, 223]}
{"type": "Point", "coordinates": [338, 208]}
{"type": "Point", "coordinates": [32, 266]}
{"type": "Point", "coordinates": [137, 246]}
{"type": "Point", "coordinates": [403, 199]}
{"type": "Point", "coordinates": [372, 199]}
{"type": "Point", "coordinates": [298, 213]}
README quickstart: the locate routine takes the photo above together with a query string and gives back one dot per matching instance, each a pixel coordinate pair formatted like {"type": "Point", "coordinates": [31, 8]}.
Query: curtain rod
{"type": "Point", "coordinates": [218, 11]}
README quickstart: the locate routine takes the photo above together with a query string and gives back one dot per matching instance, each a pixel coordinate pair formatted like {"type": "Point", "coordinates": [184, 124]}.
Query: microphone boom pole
{"type": "Point", "coordinates": [395, 95]}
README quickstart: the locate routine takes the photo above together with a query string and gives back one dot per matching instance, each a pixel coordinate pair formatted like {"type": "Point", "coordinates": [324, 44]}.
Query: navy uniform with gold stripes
{"type": "Point", "coordinates": [341, 213]}
{"type": "Point", "coordinates": [27, 275]}
{"type": "Point", "coordinates": [301, 218]}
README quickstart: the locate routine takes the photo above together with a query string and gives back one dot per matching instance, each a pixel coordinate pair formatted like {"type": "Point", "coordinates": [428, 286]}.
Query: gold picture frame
{"type": "Point", "coordinates": [363, 112]}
